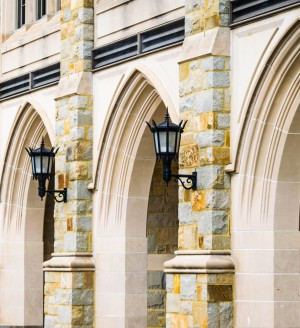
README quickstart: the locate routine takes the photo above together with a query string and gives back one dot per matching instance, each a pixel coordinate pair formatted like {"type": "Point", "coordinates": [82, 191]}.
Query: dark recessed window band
{"type": "Point", "coordinates": [242, 11]}
{"type": "Point", "coordinates": [139, 44]}
{"type": "Point", "coordinates": [30, 81]}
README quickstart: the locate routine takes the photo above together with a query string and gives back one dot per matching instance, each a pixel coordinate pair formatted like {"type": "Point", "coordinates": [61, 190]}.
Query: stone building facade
{"type": "Point", "coordinates": [126, 250]}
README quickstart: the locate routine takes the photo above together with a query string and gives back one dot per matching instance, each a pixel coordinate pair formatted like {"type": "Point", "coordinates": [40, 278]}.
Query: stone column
{"type": "Point", "coordinates": [200, 278]}
{"type": "Point", "coordinates": [69, 276]}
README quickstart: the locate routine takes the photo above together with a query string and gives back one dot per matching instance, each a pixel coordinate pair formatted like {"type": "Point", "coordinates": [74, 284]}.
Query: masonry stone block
{"type": "Point", "coordinates": [217, 80]}
{"type": "Point", "coordinates": [86, 15]}
{"type": "Point", "coordinates": [169, 283]}
{"type": "Point", "coordinates": [188, 287]}
{"type": "Point", "coordinates": [209, 101]}
{"type": "Point", "coordinates": [209, 177]}
{"type": "Point", "coordinates": [213, 315]}
{"type": "Point", "coordinates": [65, 314]}
{"type": "Point", "coordinates": [210, 138]}
{"type": "Point", "coordinates": [215, 222]}
{"type": "Point", "coordinates": [223, 121]}
{"type": "Point", "coordinates": [226, 315]}
{"type": "Point", "coordinates": [156, 280]}
{"type": "Point", "coordinates": [77, 133]}
{"type": "Point", "coordinates": [218, 199]}
{"type": "Point", "coordinates": [88, 315]}
{"type": "Point", "coordinates": [173, 303]}
{"type": "Point", "coordinates": [185, 213]}
{"type": "Point", "coordinates": [82, 297]}
{"type": "Point", "coordinates": [213, 63]}
{"type": "Point", "coordinates": [186, 307]}
{"type": "Point", "coordinates": [192, 5]}
{"type": "Point", "coordinates": [186, 103]}
{"type": "Point", "coordinates": [76, 241]}
{"type": "Point", "coordinates": [155, 300]}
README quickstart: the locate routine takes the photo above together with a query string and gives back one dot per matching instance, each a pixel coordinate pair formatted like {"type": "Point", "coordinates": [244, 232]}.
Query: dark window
{"type": "Point", "coordinates": [57, 5]}
{"type": "Point", "coordinates": [21, 13]}
{"type": "Point", "coordinates": [41, 8]}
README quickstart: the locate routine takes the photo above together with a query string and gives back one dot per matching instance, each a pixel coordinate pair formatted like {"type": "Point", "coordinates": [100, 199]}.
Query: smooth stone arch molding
{"type": "Point", "coordinates": [22, 221]}
{"type": "Point", "coordinates": [122, 185]}
{"type": "Point", "coordinates": [265, 192]}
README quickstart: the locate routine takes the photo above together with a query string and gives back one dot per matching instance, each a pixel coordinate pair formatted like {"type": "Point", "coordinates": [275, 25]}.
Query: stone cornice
{"type": "Point", "coordinates": [70, 262]}
{"type": "Point", "coordinates": [215, 42]}
{"type": "Point", "coordinates": [202, 261]}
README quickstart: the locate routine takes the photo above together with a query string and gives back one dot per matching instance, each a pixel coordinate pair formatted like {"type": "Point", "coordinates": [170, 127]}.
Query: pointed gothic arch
{"type": "Point", "coordinates": [22, 221]}
{"type": "Point", "coordinates": [266, 192]}
{"type": "Point", "coordinates": [123, 180]}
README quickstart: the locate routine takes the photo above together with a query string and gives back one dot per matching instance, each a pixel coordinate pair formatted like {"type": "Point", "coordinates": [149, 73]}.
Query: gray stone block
{"type": "Point", "coordinates": [169, 283]}
{"type": "Point", "coordinates": [188, 287]}
{"type": "Point", "coordinates": [213, 64]}
{"type": "Point", "coordinates": [217, 80]}
{"type": "Point", "coordinates": [215, 222]}
{"type": "Point", "coordinates": [82, 297]}
{"type": "Point", "coordinates": [209, 101]}
{"type": "Point", "coordinates": [185, 213]}
{"type": "Point", "coordinates": [213, 315]}
{"type": "Point", "coordinates": [186, 103]}
{"type": "Point", "coordinates": [223, 121]}
{"type": "Point", "coordinates": [186, 307]}
{"type": "Point", "coordinates": [156, 280]}
{"type": "Point", "coordinates": [218, 199]}
{"type": "Point", "coordinates": [210, 177]}
{"type": "Point", "coordinates": [210, 138]}
{"type": "Point", "coordinates": [156, 300]}
{"type": "Point", "coordinates": [226, 315]}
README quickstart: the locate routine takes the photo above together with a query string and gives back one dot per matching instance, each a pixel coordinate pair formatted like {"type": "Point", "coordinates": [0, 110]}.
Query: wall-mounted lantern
{"type": "Point", "coordinates": [42, 162]}
{"type": "Point", "coordinates": [167, 137]}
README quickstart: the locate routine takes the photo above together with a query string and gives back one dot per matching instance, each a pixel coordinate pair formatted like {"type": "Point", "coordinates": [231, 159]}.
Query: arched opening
{"type": "Point", "coordinates": [162, 240]}
{"type": "Point", "coordinates": [22, 227]}
{"type": "Point", "coordinates": [265, 196]}
{"type": "Point", "coordinates": [125, 171]}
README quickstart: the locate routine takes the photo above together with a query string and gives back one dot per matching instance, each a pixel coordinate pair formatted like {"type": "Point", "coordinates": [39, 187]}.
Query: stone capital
{"type": "Point", "coordinates": [70, 262]}
{"type": "Point", "coordinates": [200, 261]}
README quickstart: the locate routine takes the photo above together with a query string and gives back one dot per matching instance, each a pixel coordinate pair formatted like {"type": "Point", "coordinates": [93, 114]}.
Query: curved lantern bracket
{"type": "Point", "coordinates": [62, 195]}
{"type": "Point", "coordinates": [190, 180]}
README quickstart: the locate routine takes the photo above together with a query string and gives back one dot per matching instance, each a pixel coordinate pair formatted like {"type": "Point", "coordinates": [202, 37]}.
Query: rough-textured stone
{"type": "Point", "coordinates": [213, 63]}
{"type": "Point", "coordinates": [188, 288]}
{"type": "Point", "coordinates": [217, 80]}
{"type": "Point", "coordinates": [217, 199]}
{"type": "Point", "coordinates": [209, 177]}
{"type": "Point", "coordinates": [210, 138]}
{"type": "Point", "coordinates": [156, 280]}
{"type": "Point", "coordinates": [213, 314]}
{"type": "Point", "coordinates": [208, 101]}
{"type": "Point", "coordinates": [185, 213]}
{"type": "Point", "coordinates": [226, 315]}
{"type": "Point", "coordinates": [155, 300]}
{"type": "Point", "coordinates": [169, 283]}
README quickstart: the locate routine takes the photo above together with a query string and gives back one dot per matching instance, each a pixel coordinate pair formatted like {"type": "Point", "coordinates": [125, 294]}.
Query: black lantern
{"type": "Point", "coordinates": [167, 136]}
{"type": "Point", "coordinates": [42, 162]}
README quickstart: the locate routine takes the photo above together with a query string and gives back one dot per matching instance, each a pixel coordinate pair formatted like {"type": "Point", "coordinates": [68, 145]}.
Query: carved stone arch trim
{"type": "Point", "coordinates": [276, 71]}
{"type": "Point", "coordinates": [271, 111]}
{"type": "Point", "coordinates": [30, 124]}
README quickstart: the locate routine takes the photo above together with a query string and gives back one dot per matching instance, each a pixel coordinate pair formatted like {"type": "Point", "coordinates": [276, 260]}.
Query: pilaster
{"type": "Point", "coordinates": [69, 276]}
{"type": "Point", "coordinates": [200, 278]}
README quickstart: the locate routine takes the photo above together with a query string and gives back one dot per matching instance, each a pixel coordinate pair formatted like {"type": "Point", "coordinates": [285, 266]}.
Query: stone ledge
{"type": "Point", "coordinates": [206, 261]}
{"type": "Point", "coordinates": [214, 42]}
{"type": "Point", "coordinates": [70, 262]}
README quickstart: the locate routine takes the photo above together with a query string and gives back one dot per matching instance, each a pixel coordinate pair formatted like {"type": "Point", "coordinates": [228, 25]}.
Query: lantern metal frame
{"type": "Point", "coordinates": [168, 153]}
{"type": "Point", "coordinates": [42, 154]}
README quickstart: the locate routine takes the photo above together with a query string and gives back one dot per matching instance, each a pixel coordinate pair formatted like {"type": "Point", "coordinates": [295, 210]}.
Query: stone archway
{"type": "Point", "coordinates": [22, 218]}
{"type": "Point", "coordinates": [266, 193]}
{"type": "Point", "coordinates": [121, 197]}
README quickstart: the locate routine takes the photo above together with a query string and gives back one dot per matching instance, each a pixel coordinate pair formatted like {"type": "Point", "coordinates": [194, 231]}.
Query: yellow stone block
{"type": "Point", "coordinates": [176, 283]}
{"type": "Point", "coordinates": [191, 156]}
{"type": "Point", "coordinates": [198, 200]}
{"type": "Point", "coordinates": [184, 70]}
{"type": "Point", "coordinates": [227, 138]}
{"type": "Point", "coordinates": [64, 4]}
{"type": "Point", "coordinates": [200, 314]}
{"type": "Point", "coordinates": [179, 321]}
{"type": "Point", "coordinates": [220, 155]}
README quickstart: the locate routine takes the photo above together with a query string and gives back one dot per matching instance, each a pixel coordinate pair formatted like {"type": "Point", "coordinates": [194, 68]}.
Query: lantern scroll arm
{"type": "Point", "coordinates": [62, 195]}
{"type": "Point", "coordinates": [190, 179]}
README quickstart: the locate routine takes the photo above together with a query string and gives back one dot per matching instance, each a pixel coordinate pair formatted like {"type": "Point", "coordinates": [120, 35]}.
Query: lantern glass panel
{"type": "Point", "coordinates": [163, 142]}
{"type": "Point", "coordinates": [43, 164]}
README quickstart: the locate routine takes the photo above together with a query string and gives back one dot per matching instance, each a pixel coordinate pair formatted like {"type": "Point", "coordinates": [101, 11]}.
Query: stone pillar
{"type": "Point", "coordinates": [69, 276]}
{"type": "Point", "coordinates": [200, 278]}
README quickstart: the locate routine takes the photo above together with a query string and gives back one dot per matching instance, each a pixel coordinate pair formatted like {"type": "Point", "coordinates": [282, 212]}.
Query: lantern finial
{"type": "Point", "coordinates": [167, 116]}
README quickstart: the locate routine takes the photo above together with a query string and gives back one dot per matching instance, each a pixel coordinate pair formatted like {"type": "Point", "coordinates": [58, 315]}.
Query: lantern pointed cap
{"type": "Point", "coordinates": [167, 116]}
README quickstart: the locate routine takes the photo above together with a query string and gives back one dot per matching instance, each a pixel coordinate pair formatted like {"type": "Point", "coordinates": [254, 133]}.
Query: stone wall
{"type": "Point", "coordinates": [162, 234]}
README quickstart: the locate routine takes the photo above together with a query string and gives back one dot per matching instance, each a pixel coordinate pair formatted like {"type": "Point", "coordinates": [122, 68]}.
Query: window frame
{"type": "Point", "coordinates": [21, 13]}
{"type": "Point", "coordinates": [41, 8]}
